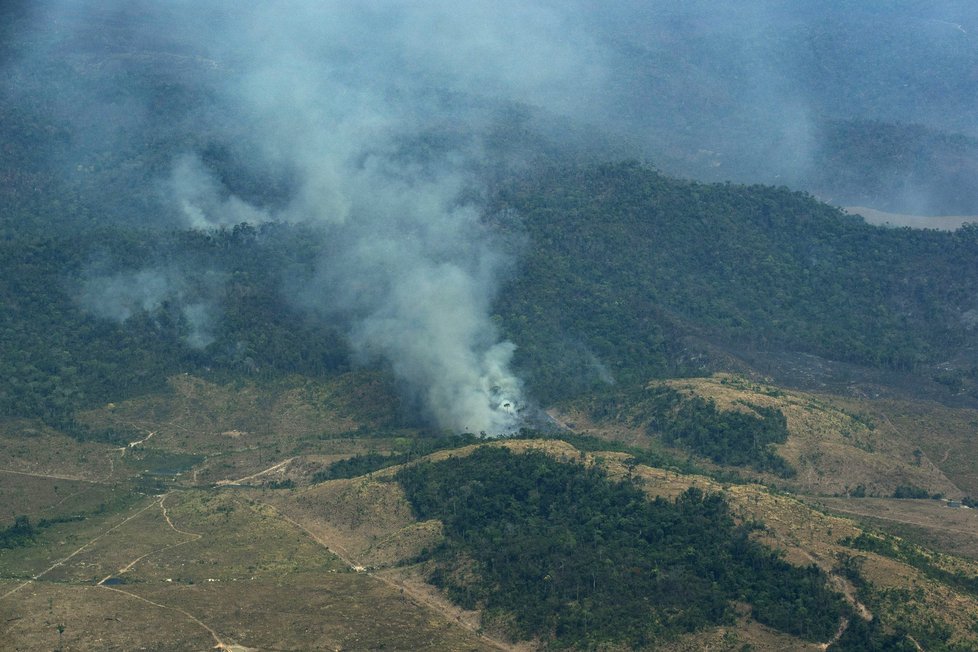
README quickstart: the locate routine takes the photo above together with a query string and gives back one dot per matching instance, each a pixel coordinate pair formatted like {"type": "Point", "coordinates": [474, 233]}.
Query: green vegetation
{"type": "Point", "coordinates": [889, 629]}
{"type": "Point", "coordinates": [911, 491]}
{"type": "Point", "coordinates": [624, 276]}
{"type": "Point", "coordinates": [895, 548]}
{"type": "Point", "coordinates": [358, 465]}
{"type": "Point", "coordinates": [558, 551]}
{"type": "Point", "coordinates": [619, 275]}
{"type": "Point", "coordinates": [355, 466]}
{"type": "Point", "coordinates": [56, 356]}
{"type": "Point", "coordinates": [726, 437]}
{"type": "Point", "coordinates": [738, 438]}
{"type": "Point", "coordinates": [21, 533]}
{"type": "Point", "coordinates": [628, 271]}
{"type": "Point", "coordinates": [588, 443]}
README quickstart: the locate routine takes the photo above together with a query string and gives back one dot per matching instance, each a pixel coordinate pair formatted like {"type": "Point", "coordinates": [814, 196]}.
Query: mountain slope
{"type": "Point", "coordinates": [626, 269]}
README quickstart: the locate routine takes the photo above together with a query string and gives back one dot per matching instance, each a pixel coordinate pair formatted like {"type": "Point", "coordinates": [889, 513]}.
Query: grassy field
{"type": "Point", "coordinates": [191, 570]}
{"type": "Point", "coordinates": [165, 552]}
{"type": "Point", "coordinates": [930, 523]}
{"type": "Point", "coordinates": [181, 541]}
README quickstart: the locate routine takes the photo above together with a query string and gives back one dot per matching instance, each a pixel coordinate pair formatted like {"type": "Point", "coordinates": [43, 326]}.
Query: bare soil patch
{"type": "Point", "coordinates": [883, 218]}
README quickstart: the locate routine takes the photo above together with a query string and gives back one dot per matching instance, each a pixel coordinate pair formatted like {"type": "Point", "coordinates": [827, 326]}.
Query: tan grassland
{"type": "Point", "coordinates": [242, 551]}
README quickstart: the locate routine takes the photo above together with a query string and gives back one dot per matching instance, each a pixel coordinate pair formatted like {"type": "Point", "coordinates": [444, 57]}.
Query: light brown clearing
{"type": "Point", "coordinates": [883, 218]}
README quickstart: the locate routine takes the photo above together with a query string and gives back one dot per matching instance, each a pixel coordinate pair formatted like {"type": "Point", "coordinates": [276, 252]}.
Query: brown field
{"type": "Point", "coordinates": [947, 436]}
{"type": "Point", "coordinates": [31, 448]}
{"type": "Point", "coordinates": [928, 522]}
{"type": "Point", "coordinates": [835, 444]}
{"type": "Point", "coordinates": [196, 569]}
{"type": "Point", "coordinates": [185, 545]}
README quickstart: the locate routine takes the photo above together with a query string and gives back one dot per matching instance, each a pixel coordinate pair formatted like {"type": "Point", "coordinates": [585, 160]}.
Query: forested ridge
{"type": "Point", "coordinates": [623, 262]}
{"type": "Point", "coordinates": [561, 552]}
{"type": "Point", "coordinates": [59, 355]}
{"type": "Point", "coordinates": [619, 266]}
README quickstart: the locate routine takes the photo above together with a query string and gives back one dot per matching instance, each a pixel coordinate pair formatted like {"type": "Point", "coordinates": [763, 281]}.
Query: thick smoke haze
{"type": "Point", "coordinates": [384, 125]}
{"type": "Point", "coordinates": [376, 115]}
{"type": "Point", "coordinates": [120, 296]}
{"type": "Point", "coordinates": [203, 202]}
{"type": "Point", "coordinates": [338, 96]}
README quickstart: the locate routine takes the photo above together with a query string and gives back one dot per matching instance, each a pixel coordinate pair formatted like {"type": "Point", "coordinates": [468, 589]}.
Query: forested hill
{"type": "Point", "coordinates": [624, 275]}
{"type": "Point", "coordinates": [109, 313]}
{"type": "Point", "coordinates": [896, 167]}
{"type": "Point", "coordinates": [623, 263]}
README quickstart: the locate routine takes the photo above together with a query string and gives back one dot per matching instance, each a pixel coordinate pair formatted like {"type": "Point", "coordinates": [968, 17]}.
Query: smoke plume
{"type": "Point", "coordinates": [372, 111]}
{"type": "Point", "coordinates": [122, 295]}
{"type": "Point", "coordinates": [378, 116]}
{"type": "Point", "coordinates": [383, 123]}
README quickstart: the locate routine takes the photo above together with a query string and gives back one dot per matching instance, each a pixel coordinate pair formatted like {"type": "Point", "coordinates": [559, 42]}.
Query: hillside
{"type": "Point", "coordinates": [142, 442]}
{"type": "Point", "coordinates": [899, 167]}
{"type": "Point", "coordinates": [120, 540]}
{"type": "Point", "coordinates": [629, 274]}
{"type": "Point", "coordinates": [623, 275]}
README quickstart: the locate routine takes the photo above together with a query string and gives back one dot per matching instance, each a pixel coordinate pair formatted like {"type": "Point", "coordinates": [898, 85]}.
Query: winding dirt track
{"type": "Point", "coordinates": [194, 537]}
{"type": "Point", "coordinates": [160, 502]}
{"type": "Point", "coordinates": [417, 596]}
{"type": "Point", "coordinates": [219, 643]}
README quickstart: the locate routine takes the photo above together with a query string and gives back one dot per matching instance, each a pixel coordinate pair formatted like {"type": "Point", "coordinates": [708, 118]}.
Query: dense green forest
{"type": "Point", "coordinates": [624, 274]}
{"type": "Point", "coordinates": [59, 354]}
{"type": "Point", "coordinates": [626, 269]}
{"type": "Point", "coordinates": [560, 552]}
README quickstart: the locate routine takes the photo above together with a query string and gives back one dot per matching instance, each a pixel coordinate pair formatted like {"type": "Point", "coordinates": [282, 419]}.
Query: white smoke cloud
{"type": "Point", "coordinates": [123, 295]}
{"type": "Point", "coordinates": [120, 296]}
{"type": "Point", "coordinates": [376, 114]}
{"type": "Point", "coordinates": [379, 114]}
{"type": "Point", "coordinates": [203, 202]}
{"type": "Point", "coordinates": [343, 95]}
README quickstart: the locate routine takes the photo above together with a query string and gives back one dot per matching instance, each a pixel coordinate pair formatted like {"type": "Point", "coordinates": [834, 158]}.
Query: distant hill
{"type": "Point", "coordinates": [896, 167]}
